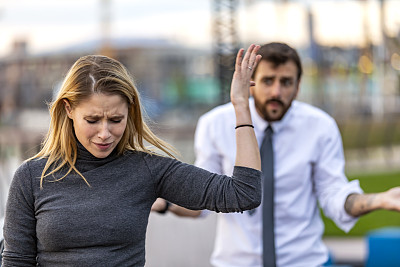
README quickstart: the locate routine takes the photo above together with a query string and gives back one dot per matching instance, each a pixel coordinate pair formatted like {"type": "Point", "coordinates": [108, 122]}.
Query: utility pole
{"type": "Point", "coordinates": [226, 43]}
{"type": "Point", "coordinates": [105, 22]}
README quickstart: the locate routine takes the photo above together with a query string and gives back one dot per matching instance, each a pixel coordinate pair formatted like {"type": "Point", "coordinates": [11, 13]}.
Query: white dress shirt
{"type": "Point", "coordinates": [308, 168]}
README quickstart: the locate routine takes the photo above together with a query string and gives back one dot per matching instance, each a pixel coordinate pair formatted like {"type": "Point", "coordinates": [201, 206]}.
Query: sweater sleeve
{"type": "Point", "coordinates": [20, 222]}
{"type": "Point", "coordinates": [195, 188]}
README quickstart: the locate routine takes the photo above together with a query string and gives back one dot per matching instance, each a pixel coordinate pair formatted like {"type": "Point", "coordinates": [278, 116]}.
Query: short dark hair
{"type": "Point", "coordinates": [280, 53]}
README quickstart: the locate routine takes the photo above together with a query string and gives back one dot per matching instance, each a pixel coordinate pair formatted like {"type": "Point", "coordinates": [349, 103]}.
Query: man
{"type": "Point", "coordinates": [308, 167]}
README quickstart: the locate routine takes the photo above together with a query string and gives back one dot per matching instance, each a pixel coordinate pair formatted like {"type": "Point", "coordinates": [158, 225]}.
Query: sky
{"type": "Point", "coordinates": [54, 24]}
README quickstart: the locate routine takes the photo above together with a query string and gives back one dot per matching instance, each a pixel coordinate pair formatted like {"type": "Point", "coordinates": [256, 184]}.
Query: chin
{"type": "Point", "coordinates": [100, 154]}
{"type": "Point", "coordinates": [274, 116]}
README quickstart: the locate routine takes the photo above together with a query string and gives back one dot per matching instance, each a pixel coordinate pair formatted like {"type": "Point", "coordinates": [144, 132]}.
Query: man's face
{"type": "Point", "coordinates": [275, 89]}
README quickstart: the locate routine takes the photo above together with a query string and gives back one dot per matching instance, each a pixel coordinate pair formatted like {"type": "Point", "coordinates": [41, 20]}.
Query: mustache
{"type": "Point", "coordinates": [276, 100]}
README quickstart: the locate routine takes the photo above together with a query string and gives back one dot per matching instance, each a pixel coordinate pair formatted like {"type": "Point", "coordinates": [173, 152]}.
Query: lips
{"type": "Point", "coordinates": [275, 104]}
{"type": "Point", "coordinates": [102, 146]}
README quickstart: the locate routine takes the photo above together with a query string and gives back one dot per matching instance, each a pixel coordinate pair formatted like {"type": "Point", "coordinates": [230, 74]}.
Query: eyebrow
{"type": "Point", "coordinates": [268, 76]}
{"type": "Point", "coordinates": [97, 117]}
{"type": "Point", "coordinates": [280, 78]}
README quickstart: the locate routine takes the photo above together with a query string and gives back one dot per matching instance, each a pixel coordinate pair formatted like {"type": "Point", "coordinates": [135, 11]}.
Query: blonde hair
{"type": "Point", "coordinates": [94, 74]}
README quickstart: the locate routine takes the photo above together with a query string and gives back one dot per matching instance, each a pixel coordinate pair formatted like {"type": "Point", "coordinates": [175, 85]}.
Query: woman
{"type": "Point", "coordinates": [85, 198]}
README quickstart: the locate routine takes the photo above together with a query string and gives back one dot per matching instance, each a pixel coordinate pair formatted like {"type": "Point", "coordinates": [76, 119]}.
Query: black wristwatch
{"type": "Point", "coordinates": [167, 204]}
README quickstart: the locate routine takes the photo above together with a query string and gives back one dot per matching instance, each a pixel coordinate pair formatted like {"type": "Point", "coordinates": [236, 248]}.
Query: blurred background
{"type": "Point", "coordinates": [181, 54]}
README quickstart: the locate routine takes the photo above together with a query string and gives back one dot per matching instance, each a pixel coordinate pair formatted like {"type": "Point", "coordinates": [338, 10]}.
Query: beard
{"type": "Point", "coordinates": [274, 114]}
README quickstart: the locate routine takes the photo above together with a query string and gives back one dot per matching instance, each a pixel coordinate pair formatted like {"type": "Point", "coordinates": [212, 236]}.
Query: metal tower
{"type": "Point", "coordinates": [226, 43]}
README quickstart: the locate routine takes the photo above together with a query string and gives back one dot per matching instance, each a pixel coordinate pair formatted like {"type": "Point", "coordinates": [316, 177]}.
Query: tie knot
{"type": "Point", "coordinates": [269, 130]}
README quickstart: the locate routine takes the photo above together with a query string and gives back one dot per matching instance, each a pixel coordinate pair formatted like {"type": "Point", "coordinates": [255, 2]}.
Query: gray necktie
{"type": "Point", "coordinates": [267, 167]}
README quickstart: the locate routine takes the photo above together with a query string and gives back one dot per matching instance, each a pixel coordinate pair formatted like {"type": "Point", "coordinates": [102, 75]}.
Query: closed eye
{"type": "Point", "coordinates": [91, 121]}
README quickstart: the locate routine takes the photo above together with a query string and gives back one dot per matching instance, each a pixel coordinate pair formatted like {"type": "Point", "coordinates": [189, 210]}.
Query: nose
{"type": "Point", "coordinates": [276, 90]}
{"type": "Point", "coordinates": [104, 131]}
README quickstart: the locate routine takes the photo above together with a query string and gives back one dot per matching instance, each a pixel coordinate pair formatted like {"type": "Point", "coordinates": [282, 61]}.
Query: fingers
{"type": "Point", "coordinates": [254, 58]}
{"type": "Point", "coordinates": [248, 54]}
{"type": "Point", "coordinates": [239, 58]}
{"type": "Point", "coordinates": [250, 59]}
{"type": "Point", "coordinates": [258, 59]}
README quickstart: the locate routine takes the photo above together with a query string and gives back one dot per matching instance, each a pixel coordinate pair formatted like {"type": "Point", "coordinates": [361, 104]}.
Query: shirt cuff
{"type": "Point", "coordinates": [345, 221]}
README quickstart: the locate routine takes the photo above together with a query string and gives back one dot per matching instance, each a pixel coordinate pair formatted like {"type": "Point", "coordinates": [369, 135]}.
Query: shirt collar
{"type": "Point", "coordinates": [260, 124]}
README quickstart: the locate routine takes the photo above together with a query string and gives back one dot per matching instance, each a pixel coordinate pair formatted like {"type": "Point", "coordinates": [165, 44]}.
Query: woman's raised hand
{"type": "Point", "coordinates": [244, 68]}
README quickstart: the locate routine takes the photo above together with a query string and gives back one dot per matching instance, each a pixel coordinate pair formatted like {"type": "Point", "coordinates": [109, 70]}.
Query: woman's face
{"type": "Point", "coordinates": [99, 122]}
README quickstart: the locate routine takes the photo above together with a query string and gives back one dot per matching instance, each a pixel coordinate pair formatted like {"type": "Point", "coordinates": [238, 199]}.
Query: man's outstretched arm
{"type": "Point", "coordinates": [360, 204]}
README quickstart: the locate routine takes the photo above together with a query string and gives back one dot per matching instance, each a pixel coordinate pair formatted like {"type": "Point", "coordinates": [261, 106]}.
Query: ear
{"type": "Point", "coordinates": [68, 108]}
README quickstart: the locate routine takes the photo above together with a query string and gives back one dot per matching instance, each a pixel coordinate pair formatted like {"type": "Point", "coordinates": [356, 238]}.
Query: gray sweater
{"type": "Point", "coordinates": [68, 223]}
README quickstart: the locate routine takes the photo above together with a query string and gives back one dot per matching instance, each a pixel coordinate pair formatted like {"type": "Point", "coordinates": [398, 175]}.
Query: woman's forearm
{"type": "Point", "coordinates": [247, 152]}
